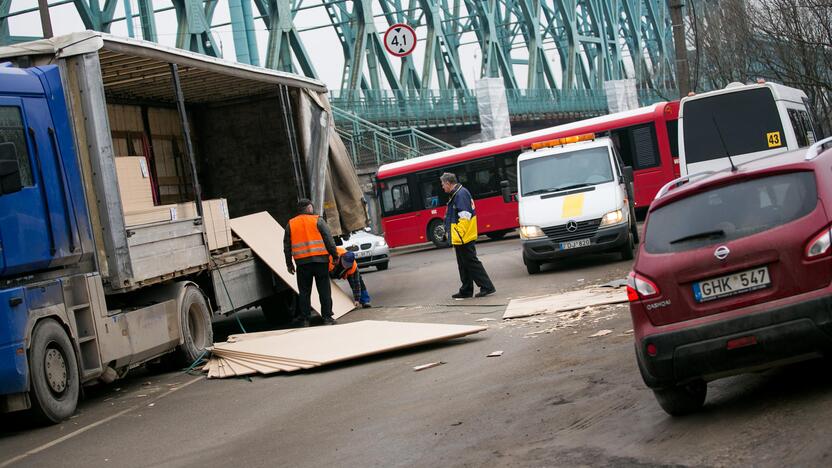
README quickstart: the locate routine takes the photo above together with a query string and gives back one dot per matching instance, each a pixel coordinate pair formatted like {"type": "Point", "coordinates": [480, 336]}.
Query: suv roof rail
{"type": "Point", "coordinates": [817, 148]}
{"type": "Point", "coordinates": [679, 181]}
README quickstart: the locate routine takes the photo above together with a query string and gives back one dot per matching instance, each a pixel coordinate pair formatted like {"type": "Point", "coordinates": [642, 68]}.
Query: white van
{"type": "Point", "coordinates": [745, 122]}
{"type": "Point", "coordinates": [574, 198]}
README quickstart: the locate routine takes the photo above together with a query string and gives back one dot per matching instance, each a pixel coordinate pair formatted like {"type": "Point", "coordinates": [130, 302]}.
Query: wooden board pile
{"type": "Point", "coordinates": [571, 300]}
{"type": "Point", "coordinates": [304, 348]}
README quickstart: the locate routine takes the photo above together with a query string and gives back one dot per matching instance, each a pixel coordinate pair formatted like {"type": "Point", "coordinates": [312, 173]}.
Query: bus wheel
{"type": "Point", "coordinates": [53, 370]}
{"type": "Point", "coordinates": [497, 235]}
{"type": "Point", "coordinates": [436, 233]}
{"type": "Point", "coordinates": [195, 319]}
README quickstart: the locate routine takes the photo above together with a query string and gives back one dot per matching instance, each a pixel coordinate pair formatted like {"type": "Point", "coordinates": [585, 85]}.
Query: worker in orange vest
{"type": "Point", "coordinates": [309, 244]}
{"type": "Point", "coordinates": [345, 267]}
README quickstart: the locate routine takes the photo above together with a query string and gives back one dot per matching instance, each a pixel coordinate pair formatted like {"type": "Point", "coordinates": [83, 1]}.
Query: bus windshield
{"type": "Point", "coordinates": [563, 171]}
{"type": "Point", "coordinates": [735, 123]}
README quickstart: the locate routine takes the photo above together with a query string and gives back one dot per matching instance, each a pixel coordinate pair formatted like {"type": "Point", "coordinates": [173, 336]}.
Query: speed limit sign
{"type": "Point", "coordinates": [400, 40]}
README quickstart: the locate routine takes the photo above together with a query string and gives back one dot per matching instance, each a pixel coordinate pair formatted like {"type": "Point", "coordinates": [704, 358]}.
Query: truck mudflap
{"type": "Point", "coordinates": [14, 370]}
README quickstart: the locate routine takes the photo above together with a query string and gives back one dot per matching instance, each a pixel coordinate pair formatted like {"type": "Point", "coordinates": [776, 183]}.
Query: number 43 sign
{"type": "Point", "coordinates": [400, 40]}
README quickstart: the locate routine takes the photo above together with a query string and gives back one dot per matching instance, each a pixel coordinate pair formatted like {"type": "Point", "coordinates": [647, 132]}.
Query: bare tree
{"type": "Point", "coordinates": [788, 41]}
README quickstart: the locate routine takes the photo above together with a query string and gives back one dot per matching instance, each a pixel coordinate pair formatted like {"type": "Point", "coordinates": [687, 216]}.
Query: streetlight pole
{"type": "Point", "coordinates": [45, 20]}
{"type": "Point", "coordinates": [680, 42]}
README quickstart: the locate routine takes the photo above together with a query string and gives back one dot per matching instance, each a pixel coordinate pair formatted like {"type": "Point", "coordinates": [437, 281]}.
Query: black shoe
{"type": "Point", "coordinates": [366, 306]}
{"type": "Point", "coordinates": [330, 321]}
{"type": "Point", "coordinates": [461, 296]}
{"type": "Point", "coordinates": [486, 292]}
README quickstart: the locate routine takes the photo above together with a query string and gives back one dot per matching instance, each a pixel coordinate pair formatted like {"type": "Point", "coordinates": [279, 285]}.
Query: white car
{"type": "Point", "coordinates": [369, 249]}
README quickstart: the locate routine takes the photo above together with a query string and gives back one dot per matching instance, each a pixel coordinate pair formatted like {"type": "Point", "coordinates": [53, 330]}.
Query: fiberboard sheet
{"type": "Point", "coordinates": [327, 345]}
{"type": "Point", "coordinates": [572, 300]}
{"type": "Point", "coordinates": [265, 236]}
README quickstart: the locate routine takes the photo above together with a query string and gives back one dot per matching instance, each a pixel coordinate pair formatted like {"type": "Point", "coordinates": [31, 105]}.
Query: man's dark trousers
{"type": "Point", "coordinates": [320, 273]}
{"type": "Point", "coordinates": [470, 269]}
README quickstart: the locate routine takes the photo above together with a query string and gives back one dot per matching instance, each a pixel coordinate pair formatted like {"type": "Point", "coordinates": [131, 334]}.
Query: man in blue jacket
{"type": "Point", "coordinates": [461, 226]}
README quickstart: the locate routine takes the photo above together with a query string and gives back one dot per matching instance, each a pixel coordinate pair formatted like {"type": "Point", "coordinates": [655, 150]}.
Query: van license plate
{"type": "Point", "coordinates": [730, 285]}
{"type": "Point", "coordinates": [574, 244]}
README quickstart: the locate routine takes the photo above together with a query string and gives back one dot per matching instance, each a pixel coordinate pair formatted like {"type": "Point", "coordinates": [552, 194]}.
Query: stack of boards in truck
{"type": "Point", "coordinates": [107, 258]}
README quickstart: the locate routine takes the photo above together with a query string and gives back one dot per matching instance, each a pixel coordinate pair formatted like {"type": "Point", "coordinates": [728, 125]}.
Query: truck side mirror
{"type": "Point", "coordinates": [506, 191]}
{"type": "Point", "coordinates": [10, 177]}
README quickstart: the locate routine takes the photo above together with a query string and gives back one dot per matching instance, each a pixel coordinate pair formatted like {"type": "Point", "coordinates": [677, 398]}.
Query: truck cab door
{"type": "Point", "coordinates": [27, 235]}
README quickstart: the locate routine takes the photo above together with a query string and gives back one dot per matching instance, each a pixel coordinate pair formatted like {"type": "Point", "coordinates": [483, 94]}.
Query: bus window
{"type": "Point", "coordinates": [747, 122]}
{"type": "Point", "coordinates": [637, 146]}
{"type": "Point", "coordinates": [673, 137]}
{"type": "Point", "coordinates": [395, 196]}
{"type": "Point", "coordinates": [507, 169]}
{"type": "Point", "coordinates": [431, 190]}
{"type": "Point", "coordinates": [481, 179]}
{"type": "Point", "coordinates": [802, 127]}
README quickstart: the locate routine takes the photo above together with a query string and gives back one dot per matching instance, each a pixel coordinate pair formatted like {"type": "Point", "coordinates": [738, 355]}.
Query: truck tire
{"type": "Point", "coordinates": [53, 372]}
{"type": "Point", "coordinates": [683, 399]}
{"type": "Point", "coordinates": [195, 319]}
{"type": "Point", "coordinates": [436, 233]}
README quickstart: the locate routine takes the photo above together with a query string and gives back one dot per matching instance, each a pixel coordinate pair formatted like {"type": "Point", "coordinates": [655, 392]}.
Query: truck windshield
{"type": "Point", "coordinates": [731, 212]}
{"type": "Point", "coordinates": [747, 121]}
{"type": "Point", "coordinates": [566, 170]}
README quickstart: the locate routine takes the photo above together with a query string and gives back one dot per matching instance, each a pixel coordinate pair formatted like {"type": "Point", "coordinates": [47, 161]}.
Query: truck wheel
{"type": "Point", "coordinates": [53, 370]}
{"type": "Point", "coordinates": [195, 319]}
{"type": "Point", "coordinates": [628, 247]}
{"type": "Point", "coordinates": [436, 233]}
{"type": "Point", "coordinates": [280, 308]}
{"type": "Point", "coordinates": [683, 399]}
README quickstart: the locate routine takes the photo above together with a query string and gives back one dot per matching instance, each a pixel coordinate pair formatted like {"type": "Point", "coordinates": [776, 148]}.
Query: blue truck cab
{"type": "Point", "coordinates": [45, 231]}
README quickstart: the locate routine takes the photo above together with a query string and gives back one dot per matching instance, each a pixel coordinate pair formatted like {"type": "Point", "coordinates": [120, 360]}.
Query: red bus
{"type": "Point", "coordinates": [413, 203]}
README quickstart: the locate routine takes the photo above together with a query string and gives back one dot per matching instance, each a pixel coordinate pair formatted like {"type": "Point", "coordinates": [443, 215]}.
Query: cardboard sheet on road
{"type": "Point", "coordinates": [306, 348]}
{"type": "Point", "coordinates": [265, 236]}
{"type": "Point", "coordinates": [572, 300]}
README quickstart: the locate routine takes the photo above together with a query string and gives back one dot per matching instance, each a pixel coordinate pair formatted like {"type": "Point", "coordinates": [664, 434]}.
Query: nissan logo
{"type": "Point", "coordinates": [571, 226]}
{"type": "Point", "coordinates": [721, 253]}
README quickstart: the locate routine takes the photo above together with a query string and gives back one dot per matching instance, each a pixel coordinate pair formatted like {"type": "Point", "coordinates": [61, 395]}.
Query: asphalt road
{"type": "Point", "coordinates": [556, 397]}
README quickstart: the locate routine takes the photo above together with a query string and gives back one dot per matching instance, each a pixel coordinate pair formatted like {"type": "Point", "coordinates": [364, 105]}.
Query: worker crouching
{"type": "Point", "coordinates": [345, 267]}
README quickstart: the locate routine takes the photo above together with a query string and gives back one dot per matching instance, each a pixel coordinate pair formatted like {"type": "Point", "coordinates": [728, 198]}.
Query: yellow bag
{"type": "Point", "coordinates": [464, 231]}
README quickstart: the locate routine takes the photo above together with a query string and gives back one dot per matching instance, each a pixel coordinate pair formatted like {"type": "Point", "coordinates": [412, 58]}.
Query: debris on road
{"type": "Point", "coordinates": [486, 319]}
{"type": "Point", "coordinates": [564, 302]}
{"type": "Point", "coordinates": [615, 284]}
{"type": "Point", "coordinates": [305, 348]}
{"type": "Point", "coordinates": [428, 366]}
{"type": "Point", "coordinates": [495, 354]}
{"type": "Point", "coordinates": [600, 333]}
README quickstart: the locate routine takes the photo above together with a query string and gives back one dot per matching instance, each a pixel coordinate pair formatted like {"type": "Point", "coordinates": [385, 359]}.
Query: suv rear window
{"type": "Point", "coordinates": [744, 120]}
{"type": "Point", "coordinates": [731, 212]}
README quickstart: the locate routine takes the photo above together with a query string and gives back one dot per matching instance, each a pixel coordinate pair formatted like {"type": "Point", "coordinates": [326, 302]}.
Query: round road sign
{"type": "Point", "coordinates": [400, 40]}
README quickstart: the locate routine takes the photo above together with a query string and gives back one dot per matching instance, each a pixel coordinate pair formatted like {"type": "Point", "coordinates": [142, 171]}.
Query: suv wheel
{"type": "Point", "coordinates": [682, 399]}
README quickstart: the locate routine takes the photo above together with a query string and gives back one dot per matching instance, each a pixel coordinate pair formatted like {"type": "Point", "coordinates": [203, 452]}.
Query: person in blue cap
{"type": "Point", "coordinates": [347, 268]}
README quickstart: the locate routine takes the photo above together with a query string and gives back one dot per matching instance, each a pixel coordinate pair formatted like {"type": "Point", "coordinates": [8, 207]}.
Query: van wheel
{"type": "Point", "coordinates": [436, 233]}
{"type": "Point", "coordinates": [532, 266]}
{"type": "Point", "coordinates": [683, 399]}
{"type": "Point", "coordinates": [53, 370]}
{"type": "Point", "coordinates": [628, 247]}
{"type": "Point", "coordinates": [195, 319]}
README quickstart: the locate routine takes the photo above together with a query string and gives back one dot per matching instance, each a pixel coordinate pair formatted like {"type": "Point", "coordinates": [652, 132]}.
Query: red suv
{"type": "Point", "coordinates": [734, 274]}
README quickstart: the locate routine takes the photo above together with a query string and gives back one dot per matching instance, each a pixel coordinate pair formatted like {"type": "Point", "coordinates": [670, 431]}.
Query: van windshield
{"type": "Point", "coordinates": [730, 212]}
{"type": "Point", "coordinates": [563, 171]}
{"type": "Point", "coordinates": [747, 121]}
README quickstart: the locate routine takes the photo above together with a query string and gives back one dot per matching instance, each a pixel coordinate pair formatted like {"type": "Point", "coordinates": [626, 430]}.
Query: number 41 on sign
{"type": "Point", "coordinates": [400, 40]}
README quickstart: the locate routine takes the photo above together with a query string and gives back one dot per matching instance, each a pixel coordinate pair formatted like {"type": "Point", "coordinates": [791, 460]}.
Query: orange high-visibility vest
{"type": "Point", "coordinates": [306, 239]}
{"type": "Point", "coordinates": [341, 251]}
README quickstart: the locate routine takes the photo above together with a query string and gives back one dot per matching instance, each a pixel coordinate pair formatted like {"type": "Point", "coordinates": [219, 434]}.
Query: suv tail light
{"type": "Point", "coordinates": [639, 287]}
{"type": "Point", "coordinates": [819, 245]}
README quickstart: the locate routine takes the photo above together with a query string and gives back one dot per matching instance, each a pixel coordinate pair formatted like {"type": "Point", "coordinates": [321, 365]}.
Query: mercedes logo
{"type": "Point", "coordinates": [571, 226]}
{"type": "Point", "coordinates": [721, 253]}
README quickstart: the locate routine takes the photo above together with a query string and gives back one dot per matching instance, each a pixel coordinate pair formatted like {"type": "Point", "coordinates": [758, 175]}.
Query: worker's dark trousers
{"type": "Point", "coordinates": [470, 269]}
{"type": "Point", "coordinates": [320, 273]}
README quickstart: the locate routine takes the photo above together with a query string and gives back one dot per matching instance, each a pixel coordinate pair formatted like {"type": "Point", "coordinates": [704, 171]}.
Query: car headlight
{"type": "Point", "coordinates": [613, 217]}
{"type": "Point", "coordinates": [381, 243]}
{"type": "Point", "coordinates": [531, 232]}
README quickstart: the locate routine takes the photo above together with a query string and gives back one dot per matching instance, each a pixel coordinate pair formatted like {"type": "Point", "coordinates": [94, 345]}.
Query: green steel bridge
{"type": "Point", "coordinates": [553, 56]}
